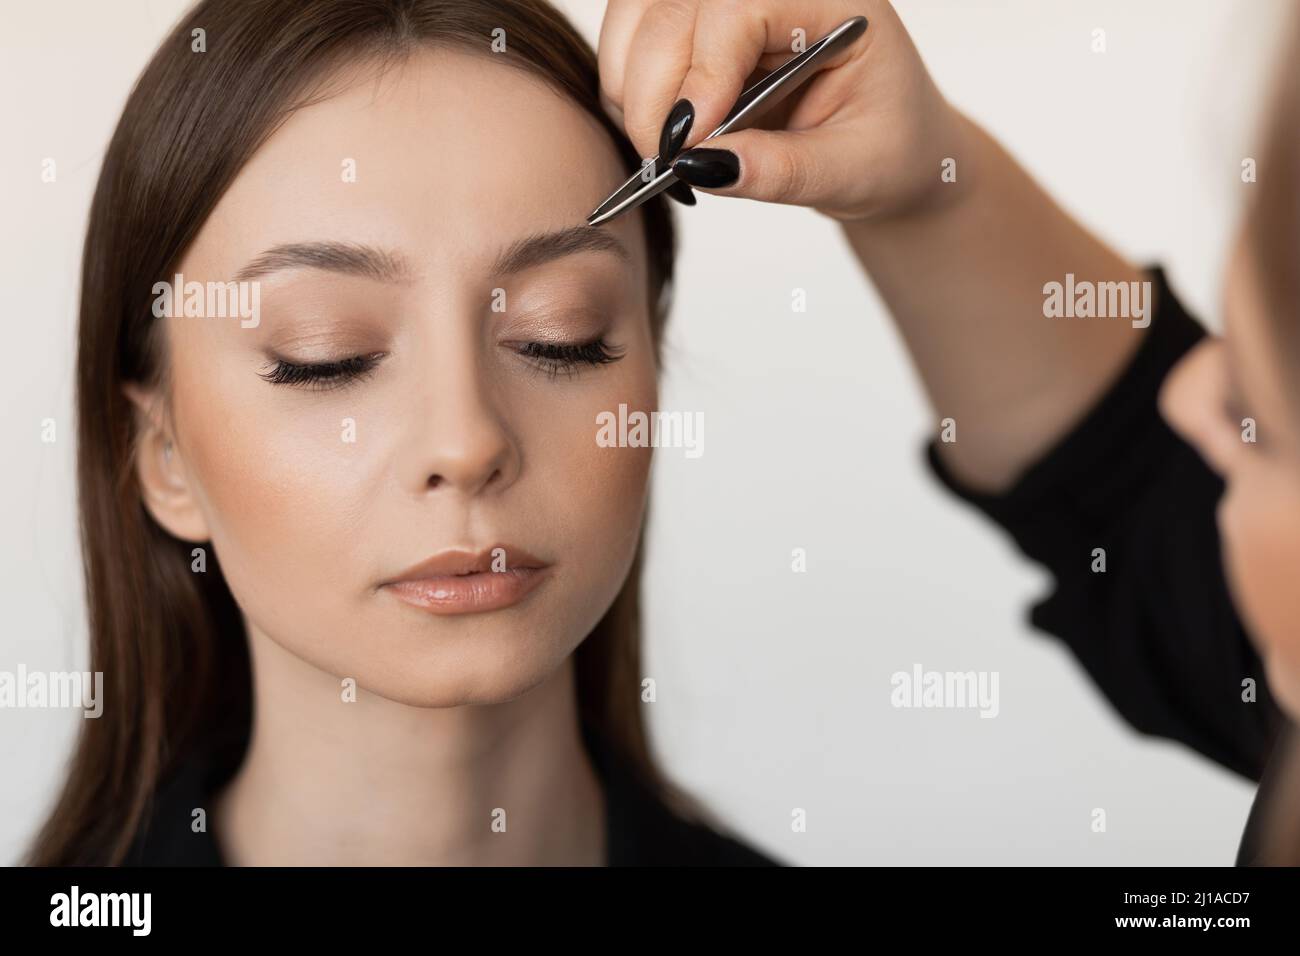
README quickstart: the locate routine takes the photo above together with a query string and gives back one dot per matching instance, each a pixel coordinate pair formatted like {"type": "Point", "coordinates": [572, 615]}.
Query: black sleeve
{"type": "Point", "coordinates": [1156, 630]}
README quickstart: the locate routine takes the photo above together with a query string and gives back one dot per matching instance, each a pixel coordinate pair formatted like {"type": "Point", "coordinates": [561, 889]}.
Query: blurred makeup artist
{"type": "Point", "coordinates": [1128, 436]}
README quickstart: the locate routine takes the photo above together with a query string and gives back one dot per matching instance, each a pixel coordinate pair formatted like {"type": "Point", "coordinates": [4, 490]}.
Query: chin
{"type": "Point", "coordinates": [491, 663]}
{"type": "Point", "coordinates": [1284, 682]}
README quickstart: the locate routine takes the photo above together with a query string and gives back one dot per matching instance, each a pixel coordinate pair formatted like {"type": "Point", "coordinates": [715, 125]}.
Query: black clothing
{"type": "Point", "coordinates": [640, 829]}
{"type": "Point", "coordinates": [1156, 630]}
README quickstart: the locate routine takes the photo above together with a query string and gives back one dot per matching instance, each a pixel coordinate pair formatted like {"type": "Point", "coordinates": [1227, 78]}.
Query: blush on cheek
{"type": "Point", "coordinates": [611, 496]}
{"type": "Point", "coordinates": [280, 492]}
{"type": "Point", "coordinates": [613, 485]}
{"type": "Point", "coordinates": [599, 493]}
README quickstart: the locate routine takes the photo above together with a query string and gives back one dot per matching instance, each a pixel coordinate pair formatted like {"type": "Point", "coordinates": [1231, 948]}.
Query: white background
{"type": "Point", "coordinates": [773, 687]}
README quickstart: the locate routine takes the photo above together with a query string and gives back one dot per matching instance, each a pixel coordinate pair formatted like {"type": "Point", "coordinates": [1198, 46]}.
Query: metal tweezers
{"type": "Point", "coordinates": [756, 100]}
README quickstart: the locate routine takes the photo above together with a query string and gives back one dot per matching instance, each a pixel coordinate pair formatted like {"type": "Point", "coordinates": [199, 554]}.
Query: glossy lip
{"type": "Point", "coordinates": [463, 582]}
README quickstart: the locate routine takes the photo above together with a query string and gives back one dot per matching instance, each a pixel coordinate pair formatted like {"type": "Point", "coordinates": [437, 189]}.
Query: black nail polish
{"type": "Point", "coordinates": [682, 193]}
{"type": "Point", "coordinates": [708, 168]}
{"type": "Point", "coordinates": [676, 128]}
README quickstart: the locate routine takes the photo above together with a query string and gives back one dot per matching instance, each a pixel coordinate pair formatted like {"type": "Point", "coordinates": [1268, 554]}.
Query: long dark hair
{"type": "Point", "coordinates": [191, 123]}
{"type": "Point", "coordinates": [1271, 226]}
{"type": "Point", "coordinates": [1271, 241]}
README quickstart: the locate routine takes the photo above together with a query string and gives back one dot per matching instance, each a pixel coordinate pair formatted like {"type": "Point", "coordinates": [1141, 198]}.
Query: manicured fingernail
{"type": "Point", "coordinates": [708, 168]}
{"type": "Point", "coordinates": [676, 128]}
{"type": "Point", "coordinates": [682, 193]}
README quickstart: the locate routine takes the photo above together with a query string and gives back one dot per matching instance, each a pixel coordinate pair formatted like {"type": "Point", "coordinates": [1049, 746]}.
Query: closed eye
{"type": "Point", "coordinates": [555, 358]}
{"type": "Point", "coordinates": [321, 376]}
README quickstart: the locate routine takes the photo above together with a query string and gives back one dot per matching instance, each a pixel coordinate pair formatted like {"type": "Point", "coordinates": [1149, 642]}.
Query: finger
{"type": "Point", "coordinates": [774, 165]}
{"type": "Point", "coordinates": [732, 38]}
{"type": "Point", "coordinates": [766, 64]}
{"type": "Point", "coordinates": [682, 193]}
{"type": "Point", "coordinates": [616, 31]}
{"type": "Point", "coordinates": [657, 61]}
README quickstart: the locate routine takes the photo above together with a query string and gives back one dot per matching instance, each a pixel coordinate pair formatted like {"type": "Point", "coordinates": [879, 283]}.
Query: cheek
{"type": "Point", "coordinates": [596, 495]}
{"type": "Point", "coordinates": [280, 485]}
{"type": "Point", "coordinates": [1260, 522]}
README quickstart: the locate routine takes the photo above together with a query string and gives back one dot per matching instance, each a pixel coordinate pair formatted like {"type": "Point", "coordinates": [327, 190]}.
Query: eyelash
{"type": "Point", "coordinates": [322, 376]}
{"type": "Point", "coordinates": [553, 358]}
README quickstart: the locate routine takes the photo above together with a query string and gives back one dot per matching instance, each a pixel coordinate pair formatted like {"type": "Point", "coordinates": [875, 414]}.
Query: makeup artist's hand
{"type": "Point", "coordinates": [866, 137]}
{"type": "Point", "coordinates": [960, 260]}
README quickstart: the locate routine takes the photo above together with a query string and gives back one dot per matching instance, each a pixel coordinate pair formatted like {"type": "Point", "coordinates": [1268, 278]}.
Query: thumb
{"type": "Point", "coordinates": [776, 166]}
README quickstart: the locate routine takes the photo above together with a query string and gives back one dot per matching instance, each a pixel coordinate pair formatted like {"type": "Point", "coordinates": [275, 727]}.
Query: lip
{"type": "Point", "coordinates": [463, 582]}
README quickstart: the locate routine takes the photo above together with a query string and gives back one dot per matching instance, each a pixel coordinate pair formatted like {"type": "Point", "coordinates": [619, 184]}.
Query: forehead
{"type": "Point", "coordinates": [447, 154]}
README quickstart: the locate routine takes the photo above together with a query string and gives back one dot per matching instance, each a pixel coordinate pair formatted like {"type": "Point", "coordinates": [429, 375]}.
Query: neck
{"type": "Point", "coordinates": [381, 783]}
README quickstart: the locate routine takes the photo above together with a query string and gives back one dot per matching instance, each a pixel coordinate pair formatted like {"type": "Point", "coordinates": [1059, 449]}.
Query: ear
{"type": "Point", "coordinates": [160, 468]}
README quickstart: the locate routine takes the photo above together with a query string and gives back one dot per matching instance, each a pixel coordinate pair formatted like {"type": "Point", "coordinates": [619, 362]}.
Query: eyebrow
{"type": "Point", "coordinates": [546, 247]}
{"type": "Point", "coordinates": [357, 259]}
{"type": "Point", "coordinates": [348, 258]}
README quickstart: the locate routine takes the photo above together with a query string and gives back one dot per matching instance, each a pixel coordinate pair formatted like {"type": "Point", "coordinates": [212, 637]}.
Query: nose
{"type": "Point", "coordinates": [462, 439]}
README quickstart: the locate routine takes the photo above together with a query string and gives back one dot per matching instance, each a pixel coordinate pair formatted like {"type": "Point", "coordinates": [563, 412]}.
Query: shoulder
{"type": "Point", "coordinates": [687, 843]}
{"type": "Point", "coordinates": [642, 830]}
{"type": "Point", "coordinates": [1272, 833]}
{"type": "Point", "coordinates": [170, 833]}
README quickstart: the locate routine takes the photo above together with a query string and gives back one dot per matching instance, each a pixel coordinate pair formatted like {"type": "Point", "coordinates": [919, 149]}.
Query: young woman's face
{"type": "Point", "coordinates": [1207, 398]}
{"type": "Point", "coordinates": [383, 226]}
